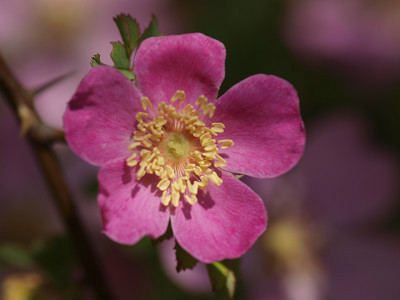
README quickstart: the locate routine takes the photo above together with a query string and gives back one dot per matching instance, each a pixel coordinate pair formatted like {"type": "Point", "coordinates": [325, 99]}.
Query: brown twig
{"type": "Point", "coordinates": [56, 80]}
{"type": "Point", "coordinates": [41, 137]}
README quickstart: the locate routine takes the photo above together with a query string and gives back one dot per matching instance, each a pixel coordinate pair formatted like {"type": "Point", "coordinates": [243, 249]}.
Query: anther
{"type": "Point", "coordinates": [221, 163]}
{"type": "Point", "coordinates": [215, 178]}
{"type": "Point", "coordinates": [170, 172]}
{"type": "Point", "coordinates": [201, 100]}
{"type": "Point", "coordinates": [140, 115]}
{"type": "Point", "coordinates": [146, 103]}
{"type": "Point", "coordinates": [131, 162]}
{"type": "Point", "coordinates": [203, 183]}
{"type": "Point", "coordinates": [175, 198]}
{"type": "Point", "coordinates": [212, 110]}
{"type": "Point", "coordinates": [218, 127]}
{"type": "Point", "coordinates": [179, 95]}
{"type": "Point", "coordinates": [225, 143]}
{"type": "Point", "coordinates": [165, 199]}
{"type": "Point", "coordinates": [191, 200]}
{"type": "Point", "coordinates": [163, 184]}
{"type": "Point", "coordinates": [134, 145]}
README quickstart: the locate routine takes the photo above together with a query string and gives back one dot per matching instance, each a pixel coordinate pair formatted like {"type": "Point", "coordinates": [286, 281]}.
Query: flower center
{"type": "Point", "coordinates": [175, 144]}
{"type": "Point", "coordinates": [176, 147]}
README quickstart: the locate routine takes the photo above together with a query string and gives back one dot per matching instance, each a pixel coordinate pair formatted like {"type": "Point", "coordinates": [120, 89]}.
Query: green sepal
{"type": "Point", "coordinates": [183, 259]}
{"type": "Point", "coordinates": [129, 30]}
{"type": "Point", "coordinates": [96, 60]}
{"type": "Point", "coordinates": [151, 30]}
{"type": "Point", "coordinates": [15, 256]}
{"type": "Point", "coordinates": [119, 56]}
{"type": "Point", "coordinates": [128, 74]}
{"type": "Point", "coordinates": [223, 278]}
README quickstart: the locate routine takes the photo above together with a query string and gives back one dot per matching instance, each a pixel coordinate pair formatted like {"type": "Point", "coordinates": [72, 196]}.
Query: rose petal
{"type": "Point", "coordinates": [194, 63]}
{"type": "Point", "coordinates": [224, 223]}
{"type": "Point", "coordinates": [100, 118]}
{"type": "Point", "coordinates": [130, 209]}
{"type": "Point", "coordinates": [261, 115]}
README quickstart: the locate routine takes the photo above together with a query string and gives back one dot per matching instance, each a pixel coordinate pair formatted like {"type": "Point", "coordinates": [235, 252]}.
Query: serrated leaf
{"type": "Point", "coordinates": [129, 30]}
{"type": "Point", "coordinates": [119, 56]}
{"type": "Point", "coordinates": [223, 280]}
{"type": "Point", "coordinates": [15, 256]}
{"type": "Point", "coordinates": [96, 60]}
{"type": "Point", "coordinates": [183, 259]}
{"type": "Point", "coordinates": [151, 30]}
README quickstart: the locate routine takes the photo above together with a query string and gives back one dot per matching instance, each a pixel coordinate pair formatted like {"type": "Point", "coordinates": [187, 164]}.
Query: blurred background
{"type": "Point", "coordinates": [334, 220]}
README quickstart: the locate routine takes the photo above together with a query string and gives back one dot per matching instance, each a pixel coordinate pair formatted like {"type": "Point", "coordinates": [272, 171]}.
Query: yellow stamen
{"type": "Point", "coordinates": [193, 188]}
{"type": "Point", "coordinates": [163, 184]}
{"type": "Point", "coordinates": [140, 115]}
{"type": "Point", "coordinates": [175, 197]}
{"type": "Point", "coordinates": [179, 95]}
{"type": "Point", "coordinates": [215, 178]}
{"type": "Point", "coordinates": [221, 163]}
{"type": "Point", "coordinates": [218, 127]}
{"type": "Point", "coordinates": [131, 162]}
{"type": "Point", "coordinates": [191, 200]}
{"type": "Point", "coordinates": [178, 147]}
{"type": "Point", "coordinates": [203, 183]}
{"type": "Point", "coordinates": [146, 103]}
{"type": "Point", "coordinates": [133, 146]}
{"type": "Point", "coordinates": [166, 199]}
{"type": "Point", "coordinates": [225, 143]}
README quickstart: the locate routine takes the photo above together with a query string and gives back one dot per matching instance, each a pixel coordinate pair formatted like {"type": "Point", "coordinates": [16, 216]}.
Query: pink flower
{"type": "Point", "coordinates": [167, 150]}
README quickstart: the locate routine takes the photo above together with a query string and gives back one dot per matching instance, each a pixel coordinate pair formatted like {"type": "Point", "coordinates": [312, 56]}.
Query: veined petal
{"type": "Point", "coordinates": [224, 223]}
{"type": "Point", "coordinates": [100, 117]}
{"type": "Point", "coordinates": [129, 209]}
{"type": "Point", "coordinates": [194, 63]}
{"type": "Point", "coordinates": [261, 115]}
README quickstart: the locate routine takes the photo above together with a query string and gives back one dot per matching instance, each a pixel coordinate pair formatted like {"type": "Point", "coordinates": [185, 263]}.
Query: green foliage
{"type": "Point", "coordinates": [96, 60]}
{"type": "Point", "coordinates": [183, 259]}
{"type": "Point", "coordinates": [131, 39]}
{"type": "Point", "coordinates": [129, 30]}
{"type": "Point", "coordinates": [151, 30]}
{"type": "Point", "coordinates": [118, 56]}
{"type": "Point", "coordinates": [223, 277]}
{"type": "Point", "coordinates": [127, 74]}
{"type": "Point", "coordinates": [15, 256]}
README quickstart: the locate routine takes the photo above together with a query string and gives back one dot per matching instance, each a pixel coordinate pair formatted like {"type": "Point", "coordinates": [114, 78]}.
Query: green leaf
{"type": "Point", "coordinates": [129, 30]}
{"type": "Point", "coordinates": [119, 56]}
{"type": "Point", "coordinates": [183, 259]}
{"type": "Point", "coordinates": [127, 74]}
{"type": "Point", "coordinates": [15, 256]}
{"type": "Point", "coordinates": [151, 30]}
{"type": "Point", "coordinates": [223, 278]}
{"type": "Point", "coordinates": [96, 60]}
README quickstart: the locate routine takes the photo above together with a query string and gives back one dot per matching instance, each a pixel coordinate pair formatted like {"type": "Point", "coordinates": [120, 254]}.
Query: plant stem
{"type": "Point", "coordinates": [40, 137]}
